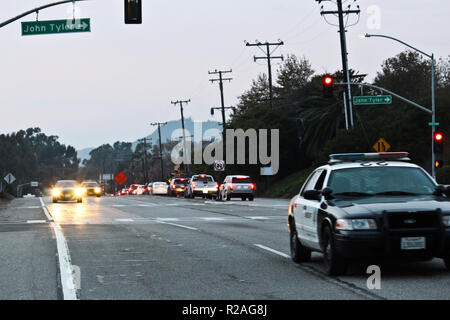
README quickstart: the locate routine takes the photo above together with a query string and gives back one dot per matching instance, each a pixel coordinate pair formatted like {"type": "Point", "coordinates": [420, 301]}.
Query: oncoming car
{"type": "Point", "coordinates": [372, 205]}
{"type": "Point", "coordinates": [68, 190]}
{"type": "Point", "coordinates": [92, 188]}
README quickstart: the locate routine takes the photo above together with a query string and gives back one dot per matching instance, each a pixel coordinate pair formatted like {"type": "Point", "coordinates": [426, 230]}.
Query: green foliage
{"type": "Point", "coordinates": [30, 155]}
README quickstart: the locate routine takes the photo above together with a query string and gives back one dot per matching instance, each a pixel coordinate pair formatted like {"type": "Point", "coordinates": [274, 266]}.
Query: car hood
{"type": "Point", "coordinates": [368, 206]}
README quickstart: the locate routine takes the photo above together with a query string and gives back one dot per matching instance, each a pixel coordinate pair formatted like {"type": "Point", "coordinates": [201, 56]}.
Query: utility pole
{"type": "Point", "coordinates": [221, 80]}
{"type": "Point", "coordinates": [144, 140]}
{"type": "Point", "coordinates": [268, 57]}
{"type": "Point", "coordinates": [348, 104]}
{"type": "Point", "coordinates": [180, 102]}
{"type": "Point", "coordinates": [159, 124]}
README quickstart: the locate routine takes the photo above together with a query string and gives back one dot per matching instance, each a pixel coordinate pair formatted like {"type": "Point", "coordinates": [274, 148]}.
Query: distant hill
{"type": "Point", "coordinates": [166, 134]}
{"type": "Point", "coordinates": [171, 126]}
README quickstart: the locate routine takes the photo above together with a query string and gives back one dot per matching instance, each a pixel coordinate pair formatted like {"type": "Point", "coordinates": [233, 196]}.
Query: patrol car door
{"type": "Point", "coordinates": [308, 211]}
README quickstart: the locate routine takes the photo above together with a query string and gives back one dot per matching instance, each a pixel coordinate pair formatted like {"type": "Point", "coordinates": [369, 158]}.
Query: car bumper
{"type": "Point", "coordinates": [352, 244]}
{"type": "Point", "coordinates": [199, 192]}
{"type": "Point", "coordinates": [240, 193]}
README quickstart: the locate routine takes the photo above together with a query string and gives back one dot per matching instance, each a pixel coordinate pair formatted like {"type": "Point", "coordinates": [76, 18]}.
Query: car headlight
{"type": "Point", "coordinates": [446, 221]}
{"type": "Point", "coordinates": [79, 192]}
{"type": "Point", "coordinates": [56, 192]}
{"type": "Point", "coordinates": [97, 190]}
{"type": "Point", "coordinates": [356, 224]}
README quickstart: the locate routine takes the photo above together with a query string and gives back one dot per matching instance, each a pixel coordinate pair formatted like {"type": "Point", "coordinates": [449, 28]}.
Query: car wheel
{"type": "Point", "coordinates": [334, 263]}
{"type": "Point", "coordinates": [55, 200]}
{"type": "Point", "coordinates": [243, 198]}
{"type": "Point", "coordinates": [79, 200]}
{"type": "Point", "coordinates": [250, 198]}
{"type": "Point", "coordinates": [447, 261]}
{"type": "Point", "coordinates": [298, 252]}
{"type": "Point", "coordinates": [228, 197]}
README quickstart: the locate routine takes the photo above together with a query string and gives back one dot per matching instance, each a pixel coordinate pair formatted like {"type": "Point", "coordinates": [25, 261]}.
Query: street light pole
{"type": "Point", "coordinates": [433, 95]}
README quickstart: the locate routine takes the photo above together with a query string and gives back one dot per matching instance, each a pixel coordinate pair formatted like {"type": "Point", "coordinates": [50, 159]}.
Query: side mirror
{"type": "Point", "coordinates": [443, 189]}
{"type": "Point", "coordinates": [327, 193]}
{"type": "Point", "coordinates": [311, 195]}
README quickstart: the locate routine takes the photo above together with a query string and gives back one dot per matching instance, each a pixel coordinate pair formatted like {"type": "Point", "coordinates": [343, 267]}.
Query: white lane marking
{"type": "Point", "coordinates": [257, 218]}
{"type": "Point", "coordinates": [65, 265]}
{"type": "Point", "coordinates": [213, 219]}
{"type": "Point", "coordinates": [168, 219]}
{"type": "Point", "coordinates": [124, 220]}
{"type": "Point", "coordinates": [36, 221]}
{"type": "Point", "coordinates": [284, 255]}
{"type": "Point", "coordinates": [118, 205]}
{"type": "Point", "coordinates": [177, 225]}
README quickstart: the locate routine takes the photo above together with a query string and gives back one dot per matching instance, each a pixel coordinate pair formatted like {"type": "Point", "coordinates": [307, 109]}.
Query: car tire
{"type": "Point", "coordinates": [228, 197]}
{"type": "Point", "coordinates": [55, 200]}
{"type": "Point", "coordinates": [335, 264]}
{"type": "Point", "coordinates": [79, 200]}
{"type": "Point", "coordinates": [250, 198]}
{"type": "Point", "coordinates": [243, 198]}
{"type": "Point", "coordinates": [298, 252]}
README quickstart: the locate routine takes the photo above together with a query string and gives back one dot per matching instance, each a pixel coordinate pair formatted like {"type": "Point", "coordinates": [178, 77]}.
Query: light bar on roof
{"type": "Point", "coordinates": [369, 156]}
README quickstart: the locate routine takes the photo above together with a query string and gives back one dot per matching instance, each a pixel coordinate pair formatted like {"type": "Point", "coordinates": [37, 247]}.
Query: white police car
{"type": "Point", "coordinates": [369, 205]}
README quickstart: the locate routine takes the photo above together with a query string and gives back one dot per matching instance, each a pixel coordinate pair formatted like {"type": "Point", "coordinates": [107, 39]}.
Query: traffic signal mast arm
{"type": "Point", "coordinates": [36, 10]}
{"type": "Point", "coordinates": [387, 91]}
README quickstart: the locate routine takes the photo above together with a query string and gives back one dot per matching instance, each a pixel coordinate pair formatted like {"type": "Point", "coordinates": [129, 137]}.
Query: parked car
{"type": "Point", "coordinates": [237, 186]}
{"type": "Point", "coordinates": [160, 188]}
{"type": "Point", "coordinates": [202, 185]}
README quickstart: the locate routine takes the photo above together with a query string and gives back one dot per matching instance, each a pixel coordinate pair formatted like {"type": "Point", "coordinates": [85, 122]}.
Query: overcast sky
{"type": "Point", "coordinates": [109, 84]}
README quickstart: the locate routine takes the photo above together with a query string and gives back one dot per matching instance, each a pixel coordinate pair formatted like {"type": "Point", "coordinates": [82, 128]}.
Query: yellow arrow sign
{"type": "Point", "coordinates": [381, 145]}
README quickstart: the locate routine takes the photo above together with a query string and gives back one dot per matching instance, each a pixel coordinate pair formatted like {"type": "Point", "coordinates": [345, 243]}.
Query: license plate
{"type": "Point", "coordinates": [413, 243]}
{"type": "Point", "coordinates": [205, 191]}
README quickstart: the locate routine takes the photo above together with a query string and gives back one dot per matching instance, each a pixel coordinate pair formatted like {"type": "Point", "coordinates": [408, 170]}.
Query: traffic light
{"type": "Point", "coordinates": [438, 141]}
{"type": "Point", "coordinates": [133, 11]}
{"type": "Point", "coordinates": [328, 85]}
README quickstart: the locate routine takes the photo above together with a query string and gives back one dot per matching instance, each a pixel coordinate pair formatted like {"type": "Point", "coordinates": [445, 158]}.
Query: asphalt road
{"type": "Point", "coordinates": [152, 247]}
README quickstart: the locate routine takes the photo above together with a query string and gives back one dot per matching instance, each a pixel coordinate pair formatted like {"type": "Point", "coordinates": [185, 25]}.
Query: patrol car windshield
{"type": "Point", "coordinates": [388, 181]}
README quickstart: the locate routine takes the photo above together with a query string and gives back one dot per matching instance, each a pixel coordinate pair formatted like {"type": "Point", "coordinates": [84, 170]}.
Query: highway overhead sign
{"type": "Point", "coordinates": [30, 28]}
{"type": "Point", "coordinates": [9, 178]}
{"type": "Point", "coordinates": [364, 100]}
{"type": "Point", "coordinates": [381, 145]}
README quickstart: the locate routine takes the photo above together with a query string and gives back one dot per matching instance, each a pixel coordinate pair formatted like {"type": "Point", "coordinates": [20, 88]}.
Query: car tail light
{"type": "Point", "coordinates": [252, 186]}
{"type": "Point", "coordinates": [173, 186]}
{"type": "Point", "coordinates": [231, 187]}
{"type": "Point", "coordinates": [194, 186]}
{"type": "Point", "coordinates": [217, 186]}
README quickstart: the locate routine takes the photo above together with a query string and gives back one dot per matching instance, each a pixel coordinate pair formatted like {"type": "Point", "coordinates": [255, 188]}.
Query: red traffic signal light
{"type": "Point", "coordinates": [438, 145]}
{"type": "Point", "coordinates": [327, 83]}
{"type": "Point", "coordinates": [328, 80]}
{"type": "Point", "coordinates": [438, 137]}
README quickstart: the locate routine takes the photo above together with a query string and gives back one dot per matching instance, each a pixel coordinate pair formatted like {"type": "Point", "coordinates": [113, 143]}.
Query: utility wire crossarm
{"type": "Point", "coordinates": [35, 10]}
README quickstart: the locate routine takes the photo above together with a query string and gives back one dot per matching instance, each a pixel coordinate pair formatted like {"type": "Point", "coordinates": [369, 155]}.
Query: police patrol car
{"type": "Point", "coordinates": [369, 205]}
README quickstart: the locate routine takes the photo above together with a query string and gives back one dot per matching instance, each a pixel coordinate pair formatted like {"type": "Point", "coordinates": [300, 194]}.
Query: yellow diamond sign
{"type": "Point", "coordinates": [381, 145]}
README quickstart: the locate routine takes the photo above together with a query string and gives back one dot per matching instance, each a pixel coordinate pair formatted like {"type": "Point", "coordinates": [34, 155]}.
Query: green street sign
{"type": "Point", "coordinates": [433, 123]}
{"type": "Point", "coordinates": [361, 100]}
{"type": "Point", "coordinates": [32, 28]}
